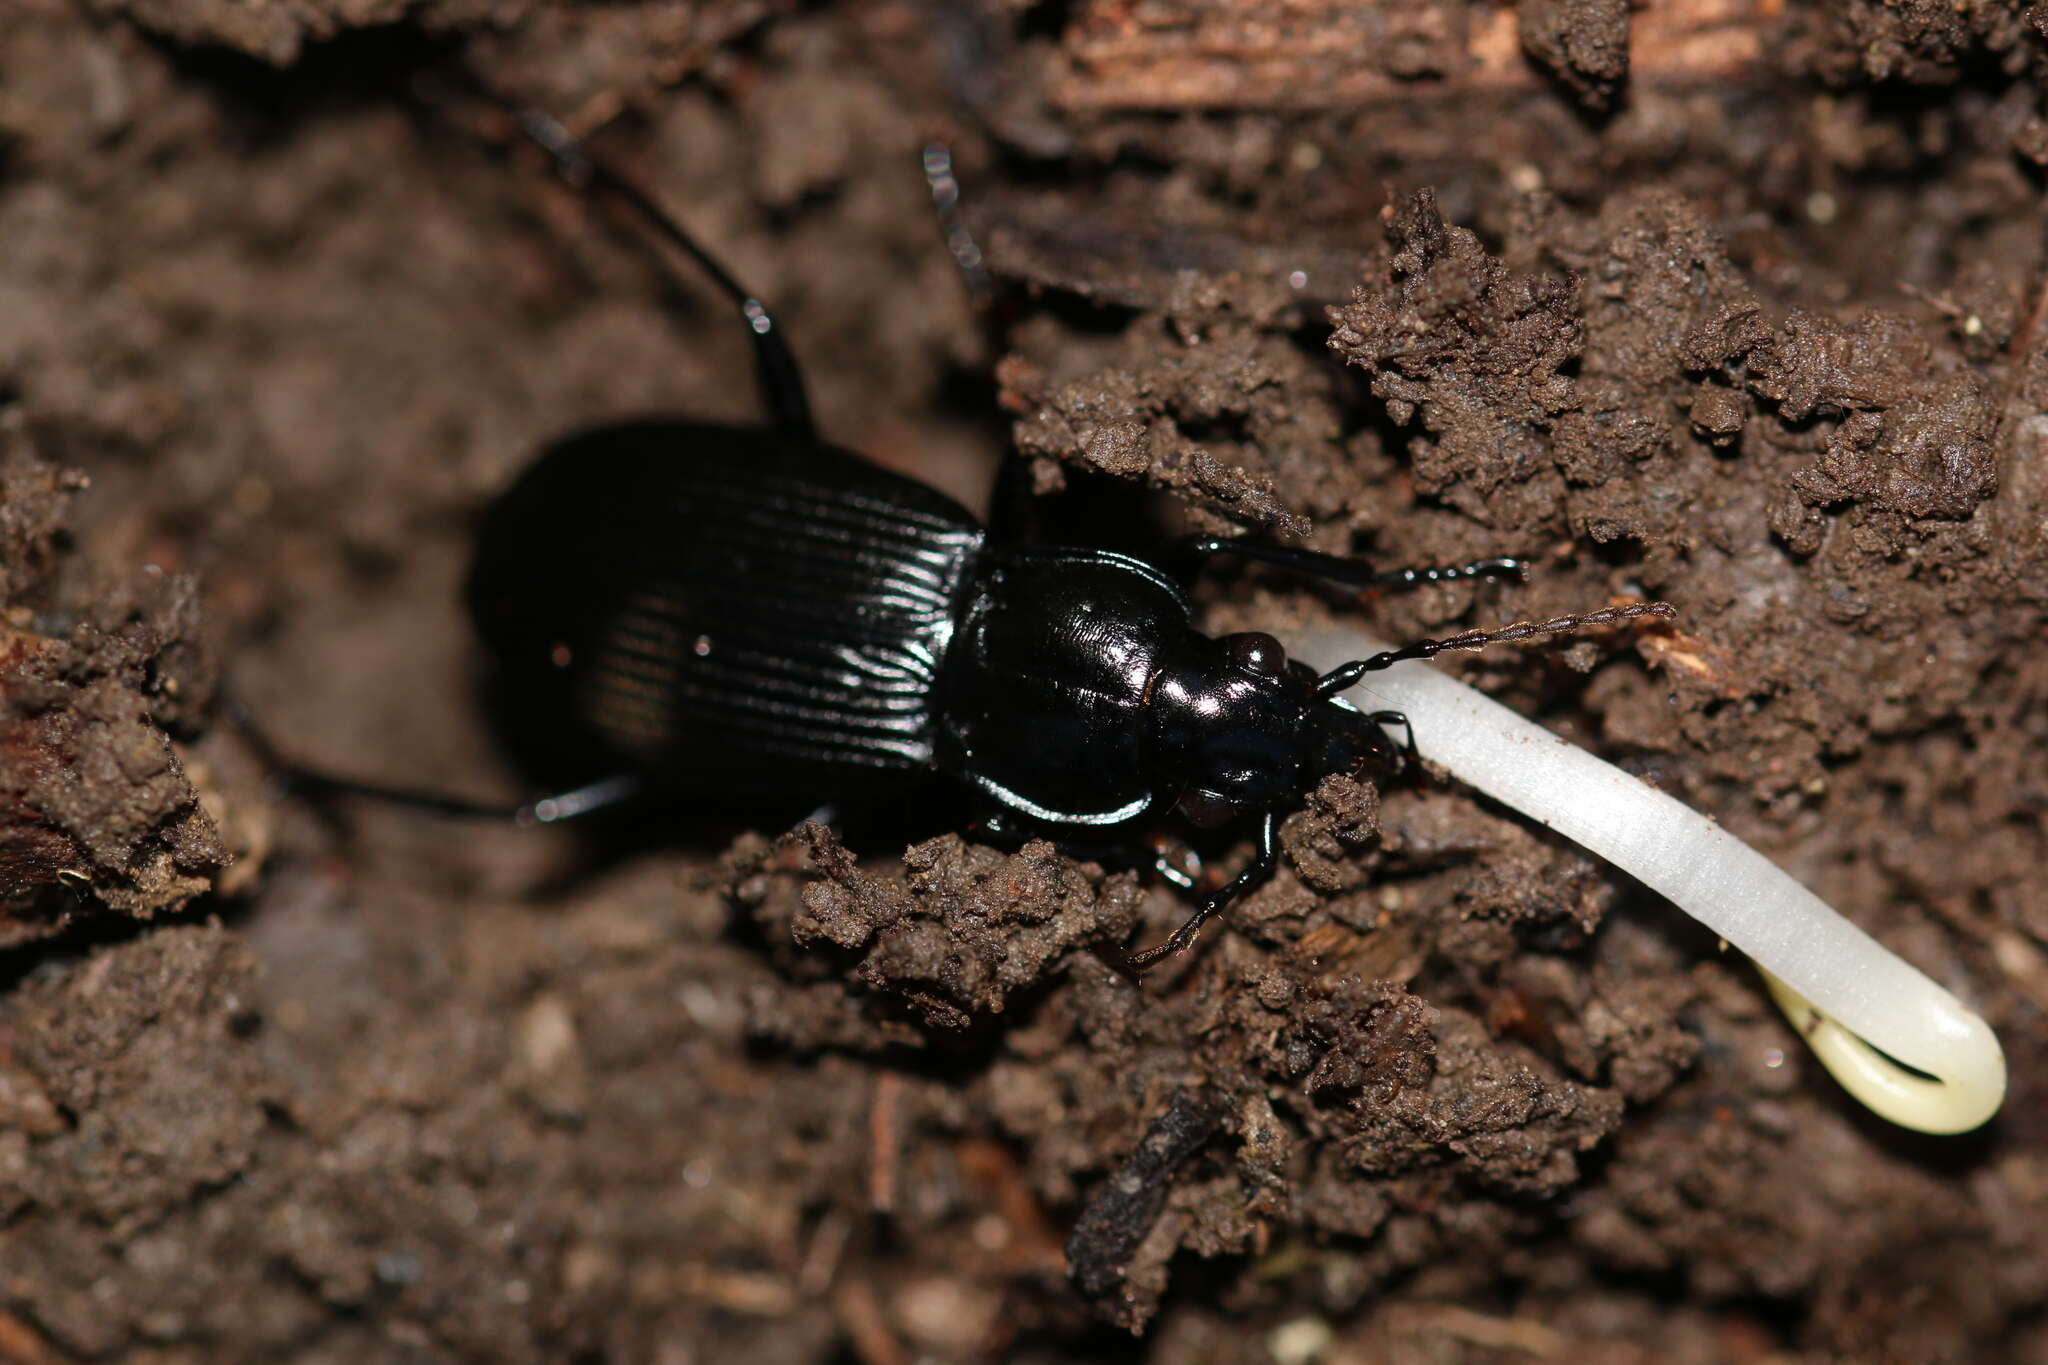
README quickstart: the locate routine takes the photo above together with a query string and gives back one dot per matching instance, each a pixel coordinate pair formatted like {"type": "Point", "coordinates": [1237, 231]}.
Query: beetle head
{"type": "Point", "coordinates": [1239, 727]}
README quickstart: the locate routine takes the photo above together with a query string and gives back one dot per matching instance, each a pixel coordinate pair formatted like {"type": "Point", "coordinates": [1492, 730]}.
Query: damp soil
{"type": "Point", "coordinates": [1736, 306]}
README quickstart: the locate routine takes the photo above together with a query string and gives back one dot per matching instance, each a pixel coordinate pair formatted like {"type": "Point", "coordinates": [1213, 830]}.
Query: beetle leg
{"type": "Point", "coordinates": [1355, 573]}
{"type": "Point", "coordinates": [593, 796]}
{"type": "Point", "coordinates": [1386, 718]}
{"type": "Point", "coordinates": [782, 380]}
{"type": "Point", "coordinates": [1175, 870]}
{"type": "Point", "coordinates": [1254, 874]}
{"type": "Point", "coordinates": [546, 810]}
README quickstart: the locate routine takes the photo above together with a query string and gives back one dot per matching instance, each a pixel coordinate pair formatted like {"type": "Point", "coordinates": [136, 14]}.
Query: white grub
{"type": "Point", "coordinates": [1862, 1009]}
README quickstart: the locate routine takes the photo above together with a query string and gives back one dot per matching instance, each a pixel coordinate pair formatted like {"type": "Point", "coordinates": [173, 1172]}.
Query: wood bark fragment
{"type": "Point", "coordinates": [1327, 54]}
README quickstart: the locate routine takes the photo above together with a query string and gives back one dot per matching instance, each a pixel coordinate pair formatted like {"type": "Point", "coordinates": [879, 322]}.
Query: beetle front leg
{"type": "Point", "coordinates": [1254, 875]}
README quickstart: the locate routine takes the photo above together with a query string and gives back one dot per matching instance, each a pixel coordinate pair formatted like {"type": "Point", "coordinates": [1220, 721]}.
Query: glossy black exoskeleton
{"type": "Point", "coordinates": [714, 609]}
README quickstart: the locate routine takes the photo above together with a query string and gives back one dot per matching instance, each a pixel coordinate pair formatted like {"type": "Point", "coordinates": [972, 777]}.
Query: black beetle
{"type": "Point", "coordinates": [697, 608]}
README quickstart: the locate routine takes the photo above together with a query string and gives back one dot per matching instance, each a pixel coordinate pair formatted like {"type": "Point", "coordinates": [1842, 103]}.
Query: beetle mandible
{"type": "Point", "coordinates": [690, 606]}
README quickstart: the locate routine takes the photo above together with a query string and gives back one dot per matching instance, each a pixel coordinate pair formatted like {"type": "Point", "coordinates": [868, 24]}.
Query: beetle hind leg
{"type": "Point", "coordinates": [781, 378]}
{"type": "Point", "coordinates": [552, 809]}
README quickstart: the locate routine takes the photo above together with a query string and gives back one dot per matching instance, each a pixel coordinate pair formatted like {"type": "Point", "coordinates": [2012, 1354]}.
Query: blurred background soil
{"type": "Point", "coordinates": [1734, 303]}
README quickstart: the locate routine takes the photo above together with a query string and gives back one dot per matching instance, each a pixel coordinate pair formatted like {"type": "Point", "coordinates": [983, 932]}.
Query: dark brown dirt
{"type": "Point", "coordinates": [93, 797]}
{"type": "Point", "coordinates": [1749, 315]}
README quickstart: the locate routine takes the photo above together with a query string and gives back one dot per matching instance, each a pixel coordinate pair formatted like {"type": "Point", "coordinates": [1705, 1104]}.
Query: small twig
{"type": "Point", "coordinates": [1121, 1210]}
{"type": "Point", "coordinates": [883, 1142]}
{"type": "Point", "coordinates": [866, 1325]}
{"type": "Point", "coordinates": [1286, 54]}
{"type": "Point", "coordinates": [2023, 338]}
{"type": "Point", "coordinates": [21, 1344]}
{"type": "Point", "coordinates": [1478, 1329]}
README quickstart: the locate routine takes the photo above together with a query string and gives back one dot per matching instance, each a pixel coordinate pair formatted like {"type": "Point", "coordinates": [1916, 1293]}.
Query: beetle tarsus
{"type": "Point", "coordinates": [594, 796]}
{"type": "Point", "coordinates": [1179, 941]}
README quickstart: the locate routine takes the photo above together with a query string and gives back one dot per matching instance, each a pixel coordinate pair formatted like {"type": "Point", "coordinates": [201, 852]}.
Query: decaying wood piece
{"type": "Point", "coordinates": [1324, 54]}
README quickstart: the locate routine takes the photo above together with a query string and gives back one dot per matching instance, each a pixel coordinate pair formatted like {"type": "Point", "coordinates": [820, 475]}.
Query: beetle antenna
{"type": "Point", "coordinates": [782, 379]}
{"type": "Point", "coordinates": [1341, 678]}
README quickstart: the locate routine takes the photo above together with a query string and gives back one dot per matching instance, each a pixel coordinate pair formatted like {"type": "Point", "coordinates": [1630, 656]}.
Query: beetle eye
{"type": "Point", "coordinates": [1258, 652]}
